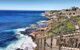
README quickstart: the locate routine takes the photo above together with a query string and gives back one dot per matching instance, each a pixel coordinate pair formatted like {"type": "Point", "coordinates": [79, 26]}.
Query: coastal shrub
{"type": "Point", "coordinates": [77, 18]}
{"type": "Point", "coordinates": [69, 26]}
{"type": "Point", "coordinates": [59, 28]}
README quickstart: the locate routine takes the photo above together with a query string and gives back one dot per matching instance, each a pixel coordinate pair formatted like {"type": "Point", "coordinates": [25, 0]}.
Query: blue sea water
{"type": "Point", "coordinates": [10, 20]}
{"type": "Point", "coordinates": [19, 19]}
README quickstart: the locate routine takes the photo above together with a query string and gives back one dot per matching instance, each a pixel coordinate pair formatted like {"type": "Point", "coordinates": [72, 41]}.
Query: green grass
{"type": "Point", "coordinates": [68, 27]}
{"type": "Point", "coordinates": [77, 18]}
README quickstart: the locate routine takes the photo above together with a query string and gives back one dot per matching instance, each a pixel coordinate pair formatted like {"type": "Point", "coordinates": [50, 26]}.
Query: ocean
{"type": "Point", "coordinates": [10, 20]}
{"type": "Point", "coordinates": [18, 19]}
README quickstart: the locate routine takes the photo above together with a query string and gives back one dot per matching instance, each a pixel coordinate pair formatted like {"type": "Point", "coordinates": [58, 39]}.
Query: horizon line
{"type": "Point", "coordinates": [35, 9]}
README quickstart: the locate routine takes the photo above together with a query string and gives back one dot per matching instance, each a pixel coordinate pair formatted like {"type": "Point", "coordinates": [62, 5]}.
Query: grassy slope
{"type": "Point", "coordinates": [77, 18]}
{"type": "Point", "coordinates": [67, 26]}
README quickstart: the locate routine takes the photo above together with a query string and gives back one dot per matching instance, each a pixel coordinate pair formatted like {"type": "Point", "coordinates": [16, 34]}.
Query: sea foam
{"type": "Point", "coordinates": [21, 39]}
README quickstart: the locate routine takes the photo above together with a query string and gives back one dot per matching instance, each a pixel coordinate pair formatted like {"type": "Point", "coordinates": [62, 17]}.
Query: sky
{"type": "Point", "coordinates": [37, 4]}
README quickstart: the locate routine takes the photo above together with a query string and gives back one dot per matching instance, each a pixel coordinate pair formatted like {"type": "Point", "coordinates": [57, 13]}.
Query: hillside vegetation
{"type": "Point", "coordinates": [63, 26]}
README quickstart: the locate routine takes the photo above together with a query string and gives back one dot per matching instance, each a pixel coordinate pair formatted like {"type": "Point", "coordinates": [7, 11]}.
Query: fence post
{"type": "Point", "coordinates": [60, 42]}
{"type": "Point", "coordinates": [41, 43]}
{"type": "Point", "coordinates": [51, 41]}
{"type": "Point", "coordinates": [44, 43]}
{"type": "Point", "coordinates": [38, 44]}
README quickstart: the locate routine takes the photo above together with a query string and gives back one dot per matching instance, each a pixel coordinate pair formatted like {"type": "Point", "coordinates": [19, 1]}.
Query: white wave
{"type": "Point", "coordinates": [41, 22]}
{"type": "Point", "coordinates": [23, 42]}
{"type": "Point", "coordinates": [22, 29]}
{"type": "Point", "coordinates": [18, 29]}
